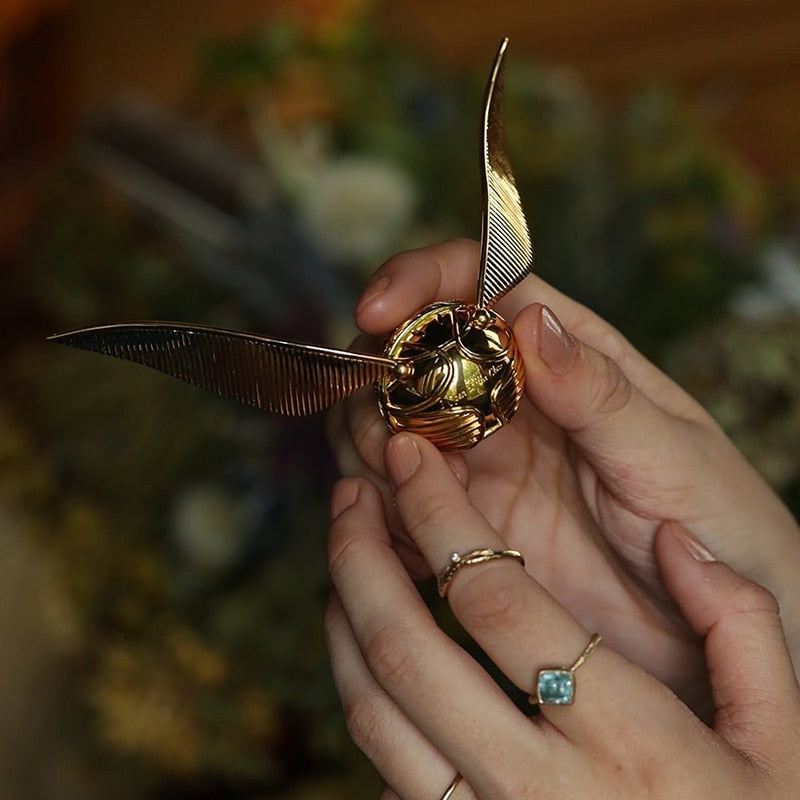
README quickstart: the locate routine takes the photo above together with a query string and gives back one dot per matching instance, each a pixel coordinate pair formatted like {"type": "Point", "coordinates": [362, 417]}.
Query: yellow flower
{"type": "Point", "coordinates": [203, 665]}
{"type": "Point", "coordinates": [259, 718]}
{"type": "Point", "coordinates": [142, 710]}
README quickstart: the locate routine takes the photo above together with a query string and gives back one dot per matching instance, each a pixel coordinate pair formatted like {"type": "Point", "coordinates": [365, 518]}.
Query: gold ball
{"type": "Point", "coordinates": [464, 380]}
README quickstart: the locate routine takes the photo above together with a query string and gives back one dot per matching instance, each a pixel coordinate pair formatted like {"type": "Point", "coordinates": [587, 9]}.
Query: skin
{"type": "Point", "coordinates": [423, 710]}
{"type": "Point", "coordinates": [603, 451]}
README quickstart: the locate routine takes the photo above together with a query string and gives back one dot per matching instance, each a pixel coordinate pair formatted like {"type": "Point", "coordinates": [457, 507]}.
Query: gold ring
{"type": "Point", "coordinates": [556, 687]}
{"type": "Point", "coordinates": [470, 559]}
{"type": "Point", "coordinates": [448, 792]}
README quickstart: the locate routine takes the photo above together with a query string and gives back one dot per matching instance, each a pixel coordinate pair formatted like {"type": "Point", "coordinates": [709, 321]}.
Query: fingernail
{"type": "Point", "coordinates": [697, 550]}
{"type": "Point", "coordinates": [403, 458]}
{"type": "Point", "coordinates": [374, 289]}
{"type": "Point", "coordinates": [344, 495]}
{"type": "Point", "coordinates": [556, 347]}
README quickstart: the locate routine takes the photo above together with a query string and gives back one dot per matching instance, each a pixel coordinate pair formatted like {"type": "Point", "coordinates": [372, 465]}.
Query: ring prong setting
{"type": "Point", "coordinates": [555, 687]}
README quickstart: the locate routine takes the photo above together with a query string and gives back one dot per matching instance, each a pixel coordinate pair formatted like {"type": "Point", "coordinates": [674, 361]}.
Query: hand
{"type": "Point", "coordinates": [422, 709]}
{"type": "Point", "coordinates": [603, 450]}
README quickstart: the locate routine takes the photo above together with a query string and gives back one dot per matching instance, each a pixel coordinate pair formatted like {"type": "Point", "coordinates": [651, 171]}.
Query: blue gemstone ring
{"type": "Point", "coordinates": [556, 687]}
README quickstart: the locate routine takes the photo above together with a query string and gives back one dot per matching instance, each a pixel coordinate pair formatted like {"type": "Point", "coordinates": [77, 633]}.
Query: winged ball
{"type": "Point", "coordinates": [451, 373]}
{"type": "Point", "coordinates": [463, 379]}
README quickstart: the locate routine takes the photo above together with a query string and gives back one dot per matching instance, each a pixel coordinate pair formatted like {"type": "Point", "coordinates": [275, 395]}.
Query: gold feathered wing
{"type": "Point", "coordinates": [298, 379]}
{"type": "Point", "coordinates": [506, 247]}
{"type": "Point", "coordinates": [282, 377]}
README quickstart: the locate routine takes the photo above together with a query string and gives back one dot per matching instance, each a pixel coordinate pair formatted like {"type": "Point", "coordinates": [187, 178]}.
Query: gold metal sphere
{"type": "Point", "coordinates": [465, 380]}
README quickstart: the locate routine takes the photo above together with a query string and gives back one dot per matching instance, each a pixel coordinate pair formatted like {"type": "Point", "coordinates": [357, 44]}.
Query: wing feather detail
{"type": "Point", "coordinates": [282, 377]}
{"type": "Point", "coordinates": [506, 247]}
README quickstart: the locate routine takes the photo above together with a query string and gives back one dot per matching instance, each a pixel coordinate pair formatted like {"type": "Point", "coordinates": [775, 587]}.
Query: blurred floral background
{"type": "Point", "coordinates": [162, 565]}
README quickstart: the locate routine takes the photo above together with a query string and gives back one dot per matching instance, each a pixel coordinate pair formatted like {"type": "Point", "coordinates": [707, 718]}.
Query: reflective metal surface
{"type": "Point", "coordinates": [282, 377]}
{"type": "Point", "coordinates": [465, 376]}
{"type": "Point", "coordinates": [506, 247]}
{"type": "Point", "coordinates": [452, 373]}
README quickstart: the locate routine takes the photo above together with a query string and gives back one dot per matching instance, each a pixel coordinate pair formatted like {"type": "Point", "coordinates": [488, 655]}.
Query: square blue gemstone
{"type": "Point", "coordinates": [555, 687]}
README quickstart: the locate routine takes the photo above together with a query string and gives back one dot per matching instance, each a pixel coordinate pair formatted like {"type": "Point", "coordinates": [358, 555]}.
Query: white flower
{"type": "Point", "coordinates": [210, 526]}
{"type": "Point", "coordinates": [357, 208]}
{"type": "Point", "coordinates": [778, 293]}
{"type": "Point", "coordinates": [782, 264]}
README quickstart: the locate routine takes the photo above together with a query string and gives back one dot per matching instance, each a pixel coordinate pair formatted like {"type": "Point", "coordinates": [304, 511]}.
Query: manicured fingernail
{"type": "Point", "coordinates": [403, 458]}
{"type": "Point", "coordinates": [697, 550]}
{"type": "Point", "coordinates": [374, 289]}
{"type": "Point", "coordinates": [344, 495]}
{"type": "Point", "coordinates": [556, 347]}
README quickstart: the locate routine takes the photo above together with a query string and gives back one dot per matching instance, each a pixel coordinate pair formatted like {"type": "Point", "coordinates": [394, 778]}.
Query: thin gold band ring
{"type": "Point", "coordinates": [448, 792]}
{"type": "Point", "coordinates": [470, 559]}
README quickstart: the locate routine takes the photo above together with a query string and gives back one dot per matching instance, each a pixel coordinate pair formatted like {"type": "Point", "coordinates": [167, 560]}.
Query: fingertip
{"type": "Point", "coordinates": [407, 453]}
{"type": "Point", "coordinates": [752, 678]}
{"type": "Point", "coordinates": [548, 345]}
{"type": "Point", "coordinates": [675, 536]}
{"type": "Point", "coordinates": [357, 517]}
{"type": "Point", "coordinates": [365, 433]}
{"type": "Point", "coordinates": [588, 394]}
{"type": "Point", "coordinates": [371, 309]}
{"type": "Point", "coordinates": [413, 279]}
{"type": "Point", "coordinates": [548, 350]}
{"type": "Point", "coordinates": [403, 457]}
{"type": "Point", "coordinates": [526, 327]}
{"type": "Point", "coordinates": [553, 383]}
{"type": "Point", "coordinates": [527, 321]}
{"type": "Point", "coordinates": [399, 287]}
{"type": "Point", "coordinates": [684, 563]}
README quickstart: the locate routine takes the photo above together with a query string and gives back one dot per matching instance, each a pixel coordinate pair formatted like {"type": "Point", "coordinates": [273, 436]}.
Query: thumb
{"type": "Point", "coordinates": [616, 426]}
{"type": "Point", "coordinates": [753, 683]}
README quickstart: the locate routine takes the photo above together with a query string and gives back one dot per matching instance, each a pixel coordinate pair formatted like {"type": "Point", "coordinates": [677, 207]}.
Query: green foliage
{"type": "Point", "coordinates": [217, 672]}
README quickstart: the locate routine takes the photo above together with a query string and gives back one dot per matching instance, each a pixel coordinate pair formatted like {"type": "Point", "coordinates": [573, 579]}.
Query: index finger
{"type": "Point", "coordinates": [437, 685]}
{"type": "Point", "coordinates": [448, 271]}
{"type": "Point", "coordinates": [413, 279]}
{"type": "Point", "coordinates": [521, 627]}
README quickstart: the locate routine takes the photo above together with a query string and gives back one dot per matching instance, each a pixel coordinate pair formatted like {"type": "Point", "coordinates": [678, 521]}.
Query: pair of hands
{"type": "Point", "coordinates": [603, 453]}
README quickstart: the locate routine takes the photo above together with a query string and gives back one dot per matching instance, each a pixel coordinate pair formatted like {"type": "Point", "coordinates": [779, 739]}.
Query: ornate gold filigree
{"type": "Point", "coordinates": [452, 373]}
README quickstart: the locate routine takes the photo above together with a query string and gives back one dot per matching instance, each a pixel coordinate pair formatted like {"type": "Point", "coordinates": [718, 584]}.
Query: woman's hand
{"type": "Point", "coordinates": [422, 709]}
{"type": "Point", "coordinates": [603, 450]}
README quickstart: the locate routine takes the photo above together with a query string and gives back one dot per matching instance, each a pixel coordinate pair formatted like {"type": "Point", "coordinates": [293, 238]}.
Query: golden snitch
{"type": "Point", "coordinates": [451, 373]}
